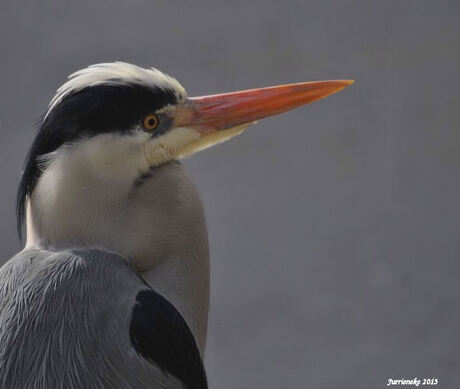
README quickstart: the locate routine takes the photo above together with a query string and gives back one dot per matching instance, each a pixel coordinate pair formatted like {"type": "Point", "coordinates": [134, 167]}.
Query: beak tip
{"type": "Point", "coordinates": [341, 84]}
{"type": "Point", "coordinates": [345, 83]}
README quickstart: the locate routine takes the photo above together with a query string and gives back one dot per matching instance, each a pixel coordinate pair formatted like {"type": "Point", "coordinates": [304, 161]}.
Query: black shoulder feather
{"type": "Point", "coordinates": [160, 334]}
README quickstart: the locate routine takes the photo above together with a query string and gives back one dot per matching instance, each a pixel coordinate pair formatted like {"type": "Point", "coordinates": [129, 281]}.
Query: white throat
{"type": "Point", "coordinates": [103, 193]}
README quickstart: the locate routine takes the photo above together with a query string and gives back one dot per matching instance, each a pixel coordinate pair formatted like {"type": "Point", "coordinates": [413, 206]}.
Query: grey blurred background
{"type": "Point", "coordinates": [334, 229]}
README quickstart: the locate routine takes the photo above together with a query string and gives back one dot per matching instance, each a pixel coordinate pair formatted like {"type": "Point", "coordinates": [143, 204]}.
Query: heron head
{"type": "Point", "coordinates": [122, 120]}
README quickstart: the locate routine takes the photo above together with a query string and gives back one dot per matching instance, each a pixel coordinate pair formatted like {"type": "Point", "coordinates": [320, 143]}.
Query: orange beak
{"type": "Point", "coordinates": [209, 114]}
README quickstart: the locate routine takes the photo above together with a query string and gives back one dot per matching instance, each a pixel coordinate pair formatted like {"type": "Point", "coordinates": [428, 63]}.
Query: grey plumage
{"type": "Point", "coordinates": [84, 299]}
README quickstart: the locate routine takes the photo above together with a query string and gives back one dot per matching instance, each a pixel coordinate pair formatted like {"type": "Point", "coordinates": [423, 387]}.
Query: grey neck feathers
{"type": "Point", "coordinates": [152, 217]}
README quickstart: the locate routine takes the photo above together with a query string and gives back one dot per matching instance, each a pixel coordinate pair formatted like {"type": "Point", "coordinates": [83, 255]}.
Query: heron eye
{"type": "Point", "coordinates": [150, 122]}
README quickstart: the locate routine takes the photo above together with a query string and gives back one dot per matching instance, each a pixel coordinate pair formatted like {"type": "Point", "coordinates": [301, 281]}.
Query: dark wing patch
{"type": "Point", "coordinates": [160, 334]}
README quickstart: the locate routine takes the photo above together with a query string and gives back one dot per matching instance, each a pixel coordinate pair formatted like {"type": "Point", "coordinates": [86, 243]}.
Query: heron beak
{"type": "Point", "coordinates": [226, 110]}
{"type": "Point", "coordinates": [219, 117]}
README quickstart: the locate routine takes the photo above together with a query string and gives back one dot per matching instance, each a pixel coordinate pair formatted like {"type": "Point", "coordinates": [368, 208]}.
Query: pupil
{"type": "Point", "coordinates": [152, 122]}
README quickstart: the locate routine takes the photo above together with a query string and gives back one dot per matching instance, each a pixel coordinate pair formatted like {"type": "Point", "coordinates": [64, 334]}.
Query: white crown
{"type": "Point", "coordinates": [116, 73]}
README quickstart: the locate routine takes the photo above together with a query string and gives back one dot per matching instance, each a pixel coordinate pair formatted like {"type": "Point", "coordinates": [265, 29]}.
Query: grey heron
{"type": "Point", "coordinates": [112, 287]}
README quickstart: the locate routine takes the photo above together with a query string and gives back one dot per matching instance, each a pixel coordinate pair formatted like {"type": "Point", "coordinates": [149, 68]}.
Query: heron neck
{"type": "Point", "coordinates": [156, 222]}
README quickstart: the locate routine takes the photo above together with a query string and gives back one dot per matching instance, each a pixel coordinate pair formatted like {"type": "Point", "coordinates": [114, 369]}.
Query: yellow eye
{"type": "Point", "coordinates": [150, 122]}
